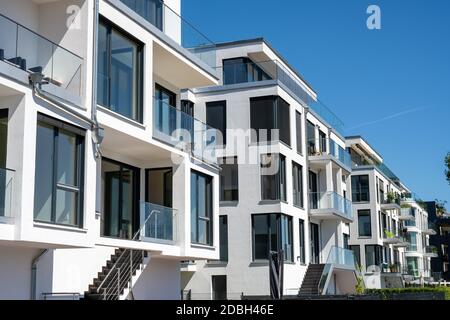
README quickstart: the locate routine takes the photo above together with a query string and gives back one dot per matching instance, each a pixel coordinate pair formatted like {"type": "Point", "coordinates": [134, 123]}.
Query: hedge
{"type": "Point", "coordinates": [385, 293]}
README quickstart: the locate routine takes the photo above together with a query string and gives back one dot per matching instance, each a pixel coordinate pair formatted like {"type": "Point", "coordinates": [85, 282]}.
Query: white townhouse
{"type": "Point", "coordinates": [283, 180]}
{"type": "Point", "coordinates": [386, 235]}
{"type": "Point", "coordinates": [98, 197]}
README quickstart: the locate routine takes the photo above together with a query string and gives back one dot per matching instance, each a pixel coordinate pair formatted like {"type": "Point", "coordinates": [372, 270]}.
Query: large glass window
{"type": "Point", "coordinates": [223, 236]}
{"type": "Point", "coordinates": [374, 255]}
{"type": "Point", "coordinates": [360, 188]}
{"type": "Point", "coordinates": [298, 131]}
{"type": "Point", "coordinates": [364, 223]}
{"type": "Point", "coordinates": [120, 189]}
{"type": "Point", "coordinates": [356, 252]}
{"type": "Point", "coordinates": [272, 232]}
{"type": "Point", "coordinates": [216, 117]}
{"type": "Point", "coordinates": [59, 172]}
{"type": "Point", "coordinates": [273, 177]}
{"type": "Point", "coordinates": [301, 232]}
{"type": "Point", "coordinates": [267, 114]}
{"type": "Point", "coordinates": [229, 181]}
{"type": "Point", "coordinates": [150, 10]}
{"type": "Point", "coordinates": [297, 181]}
{"type": "Point", "coordinates": [119, 77]}
{"type": "Point", "coordinates": [201, 208]}
{"type": "Point", "coordinates": [241, 70]}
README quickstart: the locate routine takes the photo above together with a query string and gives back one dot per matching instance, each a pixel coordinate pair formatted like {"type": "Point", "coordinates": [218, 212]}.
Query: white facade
{"type": "Point", "coordinates": [68, 256]}
{"type": "Point", "coordinates": [246, 273]}
{"type": "Point", "coordinates": [383, 222]}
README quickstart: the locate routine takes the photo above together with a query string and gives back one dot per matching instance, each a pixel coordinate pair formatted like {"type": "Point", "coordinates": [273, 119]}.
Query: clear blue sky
{"type": "Point", "coordinates": [391, 86]}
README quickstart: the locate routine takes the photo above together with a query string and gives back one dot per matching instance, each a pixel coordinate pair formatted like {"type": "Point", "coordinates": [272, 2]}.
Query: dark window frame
{"type": "Point", "coordinates": [359, 192]}
{"type": "Point", "coordinates": [234, 192]}
{"type": "Point", "coordinates": [302, 242]}
{"type": "Point", "coordinates": [80, 134]}
{"type": "Point", "coordinates": [223, 252]}
{"type": "Point", "coordinates": [279, 178]}
{"type": "Point", "coordinates": [223, 126]}
{"type": "Point", "coordinates": [364, 213]}
{"type": "Point", "coordinates": [297, 176]}
{"type": "Point", "coordinates": [208, 218]}
{"type": "Point", "coordinates": [110, 26]}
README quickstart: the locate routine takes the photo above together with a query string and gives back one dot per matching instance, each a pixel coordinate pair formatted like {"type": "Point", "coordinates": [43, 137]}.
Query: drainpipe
{"type": "Point", "coordinates": [99, 131]}
{"type": "Point", "coordinates": [34, 263]}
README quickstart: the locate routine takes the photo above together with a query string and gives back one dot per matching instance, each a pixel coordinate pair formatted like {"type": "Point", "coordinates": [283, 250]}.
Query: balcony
{"type": "Point", "coordinates": [24, 49]}
{"type": "Point", "coordinates": [6, 195]}
{"type": "Point", "coordinates": [184, 132]}
{"type": "Point", "coordinates": [429, 228]}
{"type": "Point", "coordinates": [164, 18]}
{"type": "Point", "coordinates": [431, 252]}
{"type": "Point", "coordinates": [407, 214]}
{"type": "Point", "coordinates": [321, 150]}
{"type": "Point", "coordinates": [391, 202]}
{"type": "Point", "coordinates": [158, 224]}
{"type": "Point", "coordinates": [188, 266]}
{"type": "Point", "coordinates": [391, 238]}
{"type": "Point", "coordinates": [273, 71]}
{"type": "Point", "coordinates": [330, 205]}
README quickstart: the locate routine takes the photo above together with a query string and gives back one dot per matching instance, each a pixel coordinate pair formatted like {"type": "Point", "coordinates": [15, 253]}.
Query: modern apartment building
{"type": "Point", "coordinates": [106, 183]}
{"type": "Point", "coordinates": [389, 232]}
{"type": "Point", "coordinates": [440, 221]}
{"type": "Point", "coordinates": [284, 177]}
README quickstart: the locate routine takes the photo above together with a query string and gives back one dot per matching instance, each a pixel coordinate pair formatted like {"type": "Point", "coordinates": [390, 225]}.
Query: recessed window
{"type": "Point", "coordinates": [364, 223]}
{"type": "Point", "coordinates": [301, 232]}
{"type": "Point", "coordinates": [241, 70]}
{"type": "Point", "coordinates": [297, 181]}
{"type": "Point", "coordinates": [201, 208]}
{"type": "Point", "coordinates": [272, 232]}
{"type": "Point", "coordinates": [119, 76]}
{"type": "Point", "coordinates": [150, 10]}
{"type": "Point", "coordinates": [273, 177]}
{"type": "Point", "coordinates": [216, 117]}
{"type": "Point", "coordinates": [59, 172]}
{"type": "Point", "coordinates": [356, 252]}
{"type": "Point", "coordinates": [229, 179]}
{"type": "Point", "coordinates": [360, 188]}
{"type": "Point", "coordinates": [298, 131]}
{"type": "Point", "coordinates": [374, 255]}
{"type": "Point", "coordinates": [267, 114]}
{"type": "Point", "coordinates": [223, 237]}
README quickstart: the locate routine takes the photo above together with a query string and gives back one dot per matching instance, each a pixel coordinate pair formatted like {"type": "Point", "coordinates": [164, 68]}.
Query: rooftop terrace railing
{"type": "Point", "coordinates": [235, 73]}
{"type": "Point", "coordinates": [32, 52]}
{"type": "Point", "coordinates": [176, 27]}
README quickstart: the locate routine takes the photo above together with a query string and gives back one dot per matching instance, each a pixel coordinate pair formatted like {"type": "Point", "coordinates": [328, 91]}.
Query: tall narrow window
{"type": "Point", "coordinates": [356, 252]}
{"type": "Point", "coordinates": [59, 172]}
{"type": "Point", "coordinates": [271, 232]}
{"type": "Point", "coordinates": [223, 236]}
{"type": "Point", "coordinates": [120, 72]}
{"type": "Point", "coordinates": [364, 223]}
{"type": "Point", "coordinates": [360, 188]}
{"type": "Point", "coordinates": [311, 138]}
{"type": "Point", "coordinates": [345, 238]}
{"type": "Point", "coordinates": [267, 114]}
{"type": "Point", "coordinates": [229, 180]}
{"type": "Point", "coordinates": [298, 132]}
{"type": "Point", "coordinates": [120, 199]}
{"type": "Point", "coordinates": [297, 181]}
{"type": "Point", "coordinates": [216, 117]}
{"type": "Point", "coordinates": [3, 136]}
{"type": "Point", "coordinates": [273, 177]}
{"type": "Point", "coordinates": [301, 232]}
{"type": "Point", "coordinates": [201, 209]}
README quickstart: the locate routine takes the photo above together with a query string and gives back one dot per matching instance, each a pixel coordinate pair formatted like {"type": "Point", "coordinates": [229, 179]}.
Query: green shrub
{"type": "Point", "coordinates": [386, 293]}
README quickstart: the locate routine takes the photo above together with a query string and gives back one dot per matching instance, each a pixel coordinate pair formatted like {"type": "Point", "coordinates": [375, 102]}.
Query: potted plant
{"type": "Point", "coordinates": [389, 234]}
{"type": "Point", "coordinates": [390, 197]}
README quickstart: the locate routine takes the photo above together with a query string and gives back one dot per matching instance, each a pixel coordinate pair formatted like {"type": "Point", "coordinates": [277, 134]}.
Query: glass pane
{"type": "Point", "coordinates": [103, 61]}
{"type": "Point", "coordinates": [126, 226]}
{"type": "Point", "coordinates": [194, 211]}
{"type": "Point", "coordinates": [261, 236]}
{"type": "Point", "coordinates": [66, 207]}
{"type": "Point", "coordinates": [111, 198]}
{"type": "Point", "coordinates": [3, 136]}
{"type": "Point", "coordinates": [123, 76]}
{"type": "Point", "coordinates": [67, 158]}
{"type": "Point", "coordinates": [44, 173]}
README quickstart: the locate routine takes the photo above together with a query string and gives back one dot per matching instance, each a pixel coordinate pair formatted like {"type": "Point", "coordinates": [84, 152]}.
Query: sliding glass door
{"type": "Point", "coordinates": [120, 199]}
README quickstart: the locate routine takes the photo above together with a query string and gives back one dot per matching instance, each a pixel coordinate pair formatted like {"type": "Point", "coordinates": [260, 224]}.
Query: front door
{"type": "Point", "coordinates": [315, 248]}
{"type": "Point", "coordinates": [219, 287]}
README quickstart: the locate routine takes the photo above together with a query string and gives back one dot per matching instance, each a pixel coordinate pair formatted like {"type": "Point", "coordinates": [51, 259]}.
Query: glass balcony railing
{"type": "Point", "coordinates": [176, 27]}
{"type": "Point", "coordinates": [410, 223]}
{"type": "Point", "coordinates": [391, 200]}
{"type": "Point", "coordinates": [6, 192]}
{"type": "Point", "coordinates": [184, 132]}
{"type": "Point", "coordinates": [158, 223]}
{"type": "Point", "coordinates": [31, 52]}
{"type": "Point", "coordinates": [235, 73]}
{"type": "Point", "coordinates": [339, 258]}
{"type": "Point", "coordinates": [331, 201]}
{"type": "Point", "coordinates": [412, 247]}
{"type": "Point", "coordinates": [432, 250]}
{"type": "Point", "coordinates": [321, 146]}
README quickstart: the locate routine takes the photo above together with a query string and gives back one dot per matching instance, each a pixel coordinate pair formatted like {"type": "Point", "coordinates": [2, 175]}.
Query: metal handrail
{"type": "Point", "coordinates": [115, 266]}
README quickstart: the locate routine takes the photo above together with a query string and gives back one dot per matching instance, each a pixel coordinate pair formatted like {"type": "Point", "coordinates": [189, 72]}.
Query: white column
{"type": "Point", "coordinates": [339, 182]}
{"type": "Point", "coordinates": [329, 176]}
